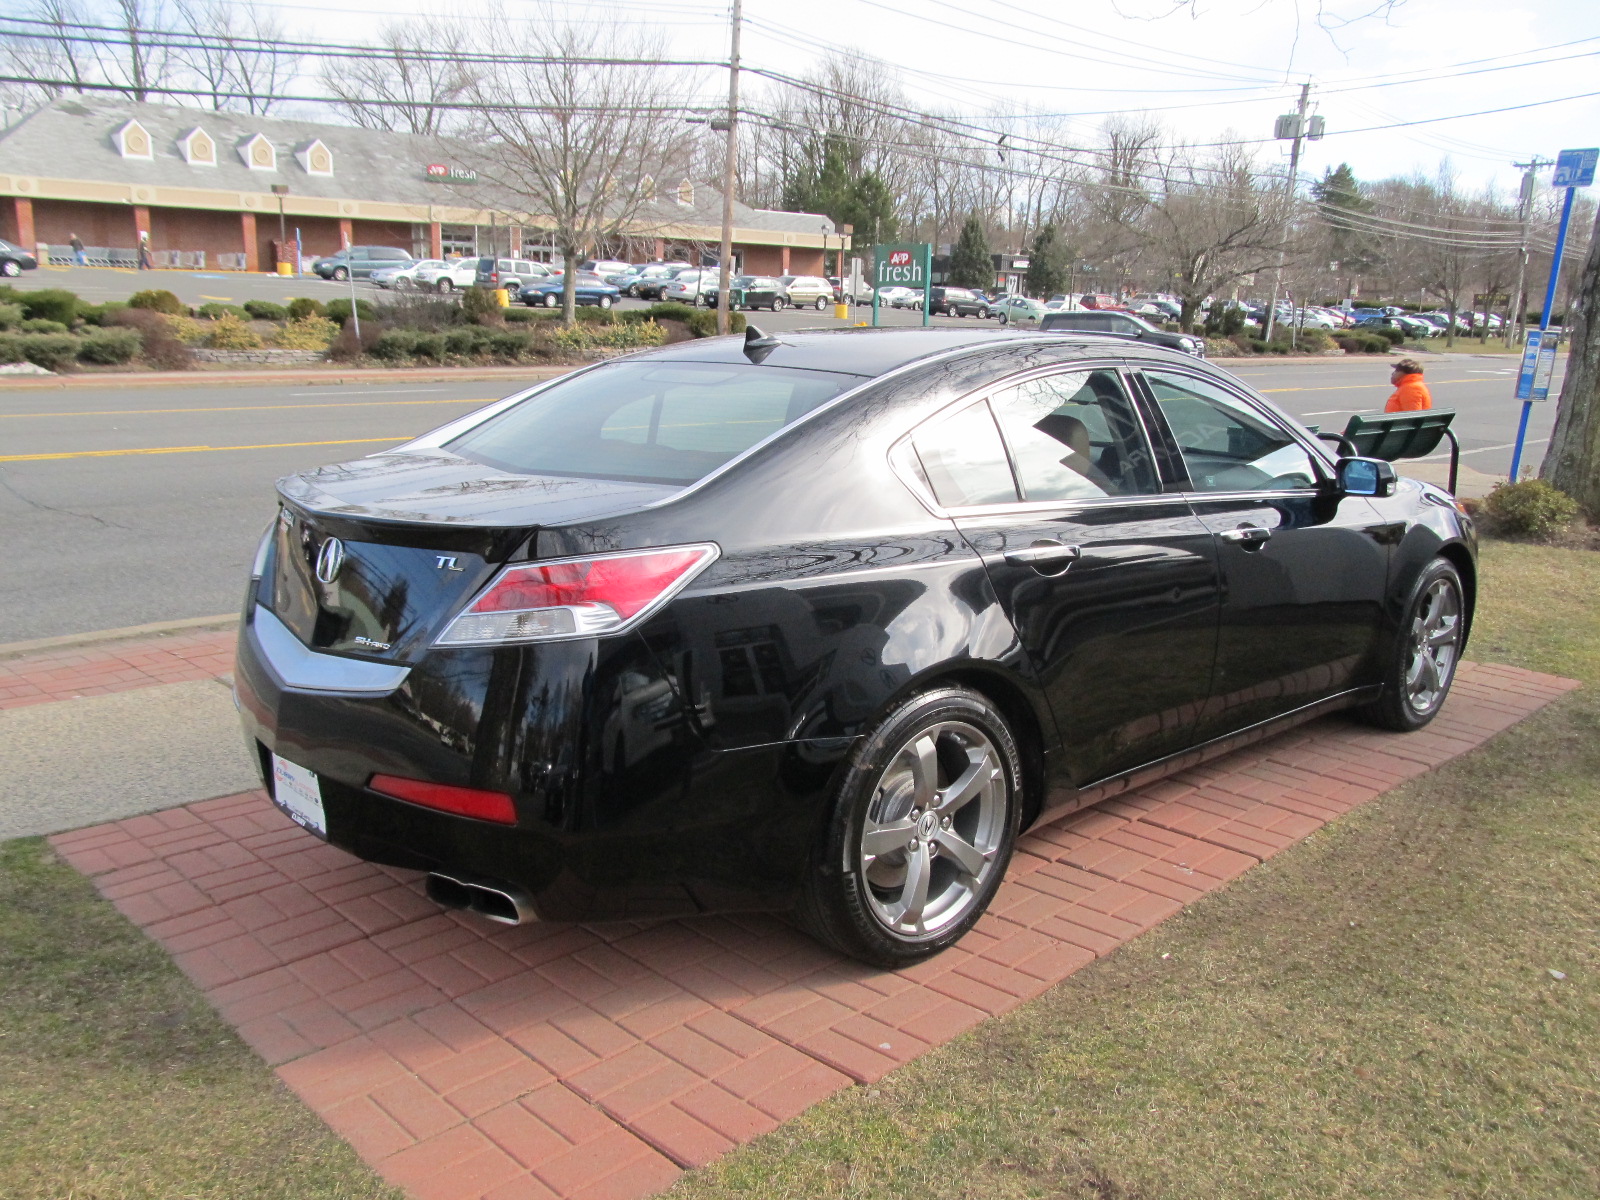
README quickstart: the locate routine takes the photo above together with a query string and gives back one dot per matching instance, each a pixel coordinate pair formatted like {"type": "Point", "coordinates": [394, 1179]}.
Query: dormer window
{"type": "Point", "coordinates": [686, 192]}
{"type": "Point", "coordinates": [315, 158]}
{"type": "Point", "coordinates": [133, 141]}
{"type": "Point", "coordinates": [259, 154]}
{"type": "Point", "coordinates": [197, 148]}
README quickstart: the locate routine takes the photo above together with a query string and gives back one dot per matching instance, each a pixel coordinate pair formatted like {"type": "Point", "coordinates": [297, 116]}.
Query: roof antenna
{"type": "Point", "coordinates": [758, 345]}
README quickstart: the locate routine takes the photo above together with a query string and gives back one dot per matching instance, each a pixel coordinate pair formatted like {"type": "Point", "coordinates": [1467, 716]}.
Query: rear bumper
{"type": "Point", "coordinates": [614, 820]}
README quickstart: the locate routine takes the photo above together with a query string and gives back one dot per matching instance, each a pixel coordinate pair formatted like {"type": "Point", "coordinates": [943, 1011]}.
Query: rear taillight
{"type": "Point", "coordinates": [464, 802]}
{"type": "Point", "coordinates": [576, 597]}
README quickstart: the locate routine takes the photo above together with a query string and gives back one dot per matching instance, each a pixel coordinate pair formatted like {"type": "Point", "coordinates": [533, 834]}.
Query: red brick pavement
{"type": "Point", "coordinates": [95, 670]}
{"type": "Point", "coordinates": [464, 1059]}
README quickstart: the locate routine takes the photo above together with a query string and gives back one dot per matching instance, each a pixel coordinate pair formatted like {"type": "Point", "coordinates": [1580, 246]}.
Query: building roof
{"type": "Point", "coordinates": [85, 138]}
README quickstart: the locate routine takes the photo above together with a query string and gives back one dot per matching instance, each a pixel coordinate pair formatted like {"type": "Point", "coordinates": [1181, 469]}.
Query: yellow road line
{"type": "Point", "coordinates": [145, 412]}
{"type": "Point", "coordinates": [194, 449]}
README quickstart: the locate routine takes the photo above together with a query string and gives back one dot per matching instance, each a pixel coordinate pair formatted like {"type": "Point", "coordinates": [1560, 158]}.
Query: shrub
{"type": "Point", "coordinates": [306, 333]}
{"type": "Point", "coordinates": [668, 311]}
{"type": "Point", "coordinates": [338, 311]}
{"type": "Point", "coordinates": [266, 310]}
{"type": "Point", "coordinates": [159, 300]}
{"type": "Point", "coordinates": [1531, 508]}
{"type": "Point", "coordinates": [40, 325]}
{"type": "Point", "coordinates": [593, 314]}
{"type": "Point", "coordinates": [100, 314]}
{"type": "Point", "coordinates": [465, 340]}
{"type": "Point", "coordinates": [611, 337]}
{"type": "Point", "coordinates": [187, 329]}
{"type": "Point", "coordinates": [214, 310]}
{"type": "Point", "coordinates": [394, 345]}
{"type": "Point", "coordinates": [305, 306]}
{"type": "Point", "coordinates": [510, 343]}
{"type": "Point", "coordinates": [10, 316]}
{"type": "Point", "coordinates": [429, 344]}
{"type": "Point", "coordinates": [703, 322]}
{"type": "Point", "coordinates": [419, 310]}
{"type": "Point", "coordinates": [52, 351]}
{"type": "Point", "coordinates": [228, 332]}
{"type": "Point", "coordinates": [346, 346]}
{"type": "Point", "coordinates": [479, 306]}
{"type": "Point", "coordinates": [521, 315]}
{"type": "Point", "coordinates": [50, 304]}
{"type": "Point", "coordinates": [106, 347]}
{"type": "Point", "coordinates": [160, 345]}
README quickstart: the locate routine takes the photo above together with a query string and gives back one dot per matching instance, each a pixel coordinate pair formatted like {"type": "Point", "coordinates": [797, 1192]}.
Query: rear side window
{"type": "Point", "coordinates": [648, 422]}
{"type": "Point", "coordinates": [964, 459]}
{"type": "Point", "coordinates": [1074, 436]}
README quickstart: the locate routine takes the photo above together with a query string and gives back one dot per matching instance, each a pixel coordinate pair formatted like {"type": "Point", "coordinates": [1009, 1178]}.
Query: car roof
{"type": "Point", "coordinates": [865, 352]}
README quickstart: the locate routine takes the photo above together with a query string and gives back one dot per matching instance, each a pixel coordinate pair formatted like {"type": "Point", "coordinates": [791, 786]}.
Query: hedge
{"type": "Point", "coordinates": [107, 347]}
{"type": "Point", "coordinates": [266, 310]}
{"type": "Point", "coordinates": [51, 304]}
{"type": "Point", "coordinates": [158, 300]}
{"type": "Point", "coordinates": [52, 351]}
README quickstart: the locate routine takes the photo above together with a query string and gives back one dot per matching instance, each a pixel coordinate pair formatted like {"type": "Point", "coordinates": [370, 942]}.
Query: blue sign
{"type": "Point", "coordinates": [1538, 365]}
{"type": "Point", "coordinates": [1575, 168]}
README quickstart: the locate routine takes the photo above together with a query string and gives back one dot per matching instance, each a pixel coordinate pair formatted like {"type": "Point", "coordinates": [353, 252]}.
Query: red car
{"type": "Point", "coordinates": [1103, 302]}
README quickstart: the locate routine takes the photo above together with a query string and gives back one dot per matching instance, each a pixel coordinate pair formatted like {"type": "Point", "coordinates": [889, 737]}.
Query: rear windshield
{"type": "Point", "coordinates": [648, 422]}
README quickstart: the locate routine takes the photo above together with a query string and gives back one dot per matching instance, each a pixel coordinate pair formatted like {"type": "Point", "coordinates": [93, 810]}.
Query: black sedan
{"type": "Point", "coordinates": [14, 260]}
{"type": "Point", "coordinates": [820, 622]}
{"type": "Point", "coordinates": [750, 291]}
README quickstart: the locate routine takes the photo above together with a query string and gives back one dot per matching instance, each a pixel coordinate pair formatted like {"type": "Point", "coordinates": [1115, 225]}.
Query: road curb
{"type": "Point", "coordinates": [153, 629]}
{"type": "Point", "coordinates": [269, 378]}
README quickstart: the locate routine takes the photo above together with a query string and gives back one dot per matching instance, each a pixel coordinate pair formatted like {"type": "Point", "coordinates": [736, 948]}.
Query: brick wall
{"type": "Point", "coordinates": [194, 229]}
{"type": "Point", "coordinates": [55, 221]}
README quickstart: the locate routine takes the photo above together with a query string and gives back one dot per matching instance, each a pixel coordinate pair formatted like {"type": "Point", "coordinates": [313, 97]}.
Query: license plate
{"type": "Point", "coordinates": [297, 791]}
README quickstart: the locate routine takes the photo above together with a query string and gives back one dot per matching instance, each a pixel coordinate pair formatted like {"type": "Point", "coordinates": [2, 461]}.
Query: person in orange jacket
{"type": "Point", "coordinates": [1410, 393]}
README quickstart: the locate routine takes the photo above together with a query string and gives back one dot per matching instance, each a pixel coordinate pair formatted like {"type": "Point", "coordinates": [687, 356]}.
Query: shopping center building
{"type": "Point", "coordinates": [230, 191]}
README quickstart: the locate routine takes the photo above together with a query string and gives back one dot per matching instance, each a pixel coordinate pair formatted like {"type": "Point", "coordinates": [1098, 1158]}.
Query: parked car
{"type": "Point", "coordinates": [690, 287]}
{"type": "Point", "coordinates": [900, 297]}
{"type": "Point", "coordinates": [360, 262]}
{"type": "Point", "coordinates": [1161, 310]}
{"type": "Point", "coordinates": [605, 268]}
{"type": "Point", "coordinates": [447, 277]}
{"type": "Point", "coordinates": [587, 289]}
{"type": "Point", "coordinates": [1126, 326]}
{"type": "Point", "coordinates": [14, 260]}
{"type": "Point", "coordinates": [1103, 302]}
{"type": "Point", "coordinates": [401, 278]}
{"type": "Point", "coordinates": [652, 287]}
{"type": "Point", "coordinates": [513, 274]}
{"type": "Point", "coordinates": [803, 290]}
{"type": "Point", "coordinates": [748, 291]}
{"type": "Point", "coordinates": [1043, 568]}
{"type": "Point", "coordinates": [957, 302]}
{"type": "Point", "coordinates": [630, 282]}
{"type": "Point", "coordinates": [1018, 308]}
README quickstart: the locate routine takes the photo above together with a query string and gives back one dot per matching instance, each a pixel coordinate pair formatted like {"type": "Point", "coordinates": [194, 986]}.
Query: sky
{"type": "Point", "coordinates": [1208, 70]}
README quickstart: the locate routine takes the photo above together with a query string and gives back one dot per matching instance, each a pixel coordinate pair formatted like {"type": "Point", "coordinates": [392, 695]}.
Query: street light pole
{"type": "Point", "coordinates": [281, 190]}
{"type": "Point", "coordinates": [730, 164]}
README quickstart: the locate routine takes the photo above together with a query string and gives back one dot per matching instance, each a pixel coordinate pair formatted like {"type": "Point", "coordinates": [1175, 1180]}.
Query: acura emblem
{"type": "Point", "coordinates": [329, 559]}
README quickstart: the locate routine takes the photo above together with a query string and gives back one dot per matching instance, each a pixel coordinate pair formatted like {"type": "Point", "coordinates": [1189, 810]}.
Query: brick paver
{"type": "Point", "coordinates": [465, 1059]}
{"type": "Point", "coordinates": [95, 670]}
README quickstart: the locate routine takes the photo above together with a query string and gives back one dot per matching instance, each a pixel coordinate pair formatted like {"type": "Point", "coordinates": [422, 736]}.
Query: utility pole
{"type": "Point", "coordinates": [1294, 183]}
{"type": "Point", "coordinates": [725, 272]}
{"type": "Point", "coordinates": [1529, 170]}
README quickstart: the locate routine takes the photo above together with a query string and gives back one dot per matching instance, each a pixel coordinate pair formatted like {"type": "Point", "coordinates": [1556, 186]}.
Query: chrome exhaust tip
{"type": "Point", "coordinates": [502, 902]}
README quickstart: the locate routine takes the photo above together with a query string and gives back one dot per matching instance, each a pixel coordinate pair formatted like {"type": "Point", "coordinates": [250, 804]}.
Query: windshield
{"type": "Point", "coordinates": [648, 422]}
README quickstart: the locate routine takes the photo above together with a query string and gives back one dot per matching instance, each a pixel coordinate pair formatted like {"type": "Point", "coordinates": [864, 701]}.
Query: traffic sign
{"type": "Point", "coordinates": [1575, 168]}
{"type": "Point", "coordinates": [1538, 365]}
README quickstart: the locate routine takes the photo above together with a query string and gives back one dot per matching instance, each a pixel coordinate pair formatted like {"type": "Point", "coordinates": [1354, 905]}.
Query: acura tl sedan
{"type": "Point", "coordinates": [821, 622]}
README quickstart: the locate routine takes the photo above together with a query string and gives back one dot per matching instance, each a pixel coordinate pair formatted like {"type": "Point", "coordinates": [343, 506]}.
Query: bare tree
{"type": "Point", "coordinates": [55, 51]}
{"type": "Point", "coordinates": [410, 82]}
{"type": "Point", "coordinates": [236, 53]}
{"type": "Point", "coordinates": [141, 61]}
{"type": "Point", "coordinates": [580, 164]}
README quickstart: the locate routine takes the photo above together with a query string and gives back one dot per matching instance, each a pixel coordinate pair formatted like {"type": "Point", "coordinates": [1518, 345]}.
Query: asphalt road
{"type": "Point", "coordinates": [120, 507]}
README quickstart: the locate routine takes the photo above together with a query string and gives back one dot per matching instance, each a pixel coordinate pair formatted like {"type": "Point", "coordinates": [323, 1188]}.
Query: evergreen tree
{"type": "Point", "coordinates": [821, 182]}
{"type": "Point", "coordinates": [1047, 264]}
{"type": "Point", "coordinates": [1336, 193]}
{"type": "Point", "coordinates": [970, 264]}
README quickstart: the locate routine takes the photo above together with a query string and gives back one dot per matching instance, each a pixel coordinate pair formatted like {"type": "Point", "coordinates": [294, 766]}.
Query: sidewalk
{"type": "Point", "coordinates": [469, 1060]}
{"type": "Point", "coordinates": [271, 376]}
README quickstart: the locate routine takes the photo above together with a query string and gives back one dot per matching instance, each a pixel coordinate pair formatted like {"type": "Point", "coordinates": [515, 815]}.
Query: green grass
{"type": "Point", "coordinates": [118, 1080]}
{"type": "Point", "coordinates": [1370, 1014]}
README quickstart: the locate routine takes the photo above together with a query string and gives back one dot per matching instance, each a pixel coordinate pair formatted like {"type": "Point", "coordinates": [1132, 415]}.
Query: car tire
{"type": "Point", "coordinates": [1004, 319]}
{"type": "Point", "coordinates": [937, 788]}
{"type": "Point", "coordinates": [604, 302]}
{"type": "Point", "coordinates": [983, 314]}
{"type": "Point", "coordinates": [821, 304]}
{"type": "Point", "coordinates": [778, 304]}
{"type": "Point", "coordinates": [10, 268]}
{"type": "Point", "coordinates": [551, 300]}
{"type": "Point", "coordinates": [340, 274]}
{"type": "Point", "coordinates": [1420, 664]}
{"type": "Point", "coordinates": [445, 287]}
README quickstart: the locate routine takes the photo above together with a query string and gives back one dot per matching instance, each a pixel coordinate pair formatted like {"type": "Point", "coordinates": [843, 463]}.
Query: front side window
{"type": "Point", "coordinates": [1074, 436]}
{"type": "Point", "coordinates": [647, 422]}
{"type": "Point", "coordinates": [1227, 445]}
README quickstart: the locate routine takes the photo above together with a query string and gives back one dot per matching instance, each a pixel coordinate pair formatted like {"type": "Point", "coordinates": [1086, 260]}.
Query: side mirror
{"type": "Point", "coordinates": [1366, 477]}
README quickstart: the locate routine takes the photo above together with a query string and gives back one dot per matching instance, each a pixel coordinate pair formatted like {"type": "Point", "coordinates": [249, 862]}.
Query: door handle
{"type": "Point", "coordinates": [1041, 554]}
{"type": "Point", "coordinates": [1249, 537]}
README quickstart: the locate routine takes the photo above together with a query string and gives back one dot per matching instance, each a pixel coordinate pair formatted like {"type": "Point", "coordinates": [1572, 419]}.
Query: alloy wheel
{"type": "Point", "coordinates": [934, 830]}
{"type": "Point", "coordinates": [1435, 643]}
